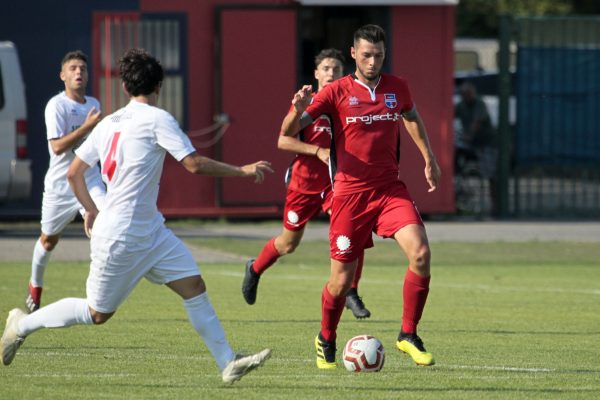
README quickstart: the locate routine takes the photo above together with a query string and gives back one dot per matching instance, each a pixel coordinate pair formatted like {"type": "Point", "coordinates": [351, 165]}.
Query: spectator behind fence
{"type": "Point", "coordinates": [475, 138]}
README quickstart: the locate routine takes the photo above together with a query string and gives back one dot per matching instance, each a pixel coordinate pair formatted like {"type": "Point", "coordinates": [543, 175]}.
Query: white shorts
{"type": "Point", "coordinates": [117, 266]}
{"type": "Point", "coordinates": [60, 211]}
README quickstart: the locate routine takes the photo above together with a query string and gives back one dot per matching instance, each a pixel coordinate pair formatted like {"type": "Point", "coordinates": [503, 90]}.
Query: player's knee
{"type": "Point", "coordinates": [336, 290]}
{"type": "Point", "coordinates": [99, 318]}
{"type": "Point", "coordinates": [339, 286]}
{"type": "Point", "coordinates": [288, 248]}
{"type": "Point", "coordinates": [421, 257]}
{"type": "Point", "coordinates": [48, 243]}
{"type": "Point", "coordinates": [198, 286]}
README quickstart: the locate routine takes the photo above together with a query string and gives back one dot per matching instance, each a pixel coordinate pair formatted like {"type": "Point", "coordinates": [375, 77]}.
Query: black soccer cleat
{"type": "Point", "coordinates": [250, 283]}
{"type": "Point", "coordinates": [354, 302]}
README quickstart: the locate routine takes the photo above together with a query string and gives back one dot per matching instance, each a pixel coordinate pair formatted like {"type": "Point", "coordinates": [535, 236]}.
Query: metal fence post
{"type": "Point", "coordinates": [504, 131]}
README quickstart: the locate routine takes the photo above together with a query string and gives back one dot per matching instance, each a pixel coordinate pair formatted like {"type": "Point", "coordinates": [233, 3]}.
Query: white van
{"type": "Point", "coordinates": [15, 167]}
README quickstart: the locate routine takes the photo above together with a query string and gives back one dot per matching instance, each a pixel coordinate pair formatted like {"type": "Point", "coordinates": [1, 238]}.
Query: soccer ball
{"type": "Point", "coordinates": [363, 353]}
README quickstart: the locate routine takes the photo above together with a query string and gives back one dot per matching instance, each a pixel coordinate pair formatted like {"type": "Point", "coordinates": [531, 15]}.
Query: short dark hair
{"type": "Point", "coordinates": [329, 53]}
{"type": "Point", "coordinates": [140, 72]}
{"type": "Point", "coordinates": [371, 33]}
{"type": "Point", "coordinates": [74, 55]}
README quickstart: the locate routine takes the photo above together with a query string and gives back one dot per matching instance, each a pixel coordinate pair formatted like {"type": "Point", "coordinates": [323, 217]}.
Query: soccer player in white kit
{"type": "Point", "coordinates": [129, 240]}
{"type": "Point", "coordinates": [70, 117]}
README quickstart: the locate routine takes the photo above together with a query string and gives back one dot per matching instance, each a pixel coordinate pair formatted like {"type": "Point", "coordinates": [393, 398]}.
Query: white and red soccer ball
{"type": "Point", "coordinates": [363, 353]}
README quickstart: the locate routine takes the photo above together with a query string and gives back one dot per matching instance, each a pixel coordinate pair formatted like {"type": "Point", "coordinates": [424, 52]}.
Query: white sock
{"type": "Point", "coordinates": [63, 313]}
{"type": "Point", "coordinates": [205, 321]}
{"type": "Point", "coordinates": [38, 264]}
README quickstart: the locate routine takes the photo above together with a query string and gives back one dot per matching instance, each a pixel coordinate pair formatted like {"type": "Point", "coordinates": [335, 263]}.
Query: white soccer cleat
{"type": "Point", "coordinates": [241, 365]}
{"type": "Point", "coordinates": [11, 341]}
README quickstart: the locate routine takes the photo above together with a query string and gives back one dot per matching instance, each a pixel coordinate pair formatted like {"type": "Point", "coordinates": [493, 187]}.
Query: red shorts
{"type": "Point", "coordinates": [301, 207]}
{"type": "Point", "coordinates": [355, 216]}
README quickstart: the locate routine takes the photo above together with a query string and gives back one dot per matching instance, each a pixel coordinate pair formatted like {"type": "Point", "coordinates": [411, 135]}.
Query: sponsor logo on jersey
{"type": "Point", "coordinates": [322, 124]}
{"type": "Point", "coordinates": [353, 101]}
{"type": "Point", "coordinates": [390, 100]}
{"type": "Point", "coordinates": [369, 119]}
{"type": "Point", "coordinates": [323, 129]}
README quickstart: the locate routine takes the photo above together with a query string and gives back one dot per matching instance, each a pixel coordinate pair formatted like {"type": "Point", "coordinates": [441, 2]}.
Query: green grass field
{"type": "Point", "coordinates": [503, 320]}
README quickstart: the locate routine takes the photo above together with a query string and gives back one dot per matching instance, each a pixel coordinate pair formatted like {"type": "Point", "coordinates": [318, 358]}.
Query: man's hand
{"type": "Point", "coordinates": [88, 222]}
{"type": "Point", "coordinates": [302, 98]}
{"type": "Point", "coordinates": [323, 155]}
{"type": "Point", "coordinates": [93, 117]}
{"type": "Point", "coordinates": [257, 170]}
{"type": "Point", "coordinates": [432, 174]}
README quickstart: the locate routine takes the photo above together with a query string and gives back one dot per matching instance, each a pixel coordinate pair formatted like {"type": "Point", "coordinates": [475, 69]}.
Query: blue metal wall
{"type": "Point", "coordinates": [558, 106]}
{"type": "Point", "coordinates": [556, 149]}
{"type": "Point", "coordinates": [43, 32]}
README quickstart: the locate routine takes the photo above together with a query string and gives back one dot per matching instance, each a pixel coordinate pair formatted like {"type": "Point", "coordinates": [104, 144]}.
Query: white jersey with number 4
{"type": "Point", "coordinates": [131, 145]}
{"type": "Point", "coordinates": [64, 115]}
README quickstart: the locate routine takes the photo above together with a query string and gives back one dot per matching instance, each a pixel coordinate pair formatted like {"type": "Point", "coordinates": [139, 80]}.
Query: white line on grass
{"type": "Point", "coordinates": [473, 367]}
{"type": "Point", "coordinates": [499, 368]}
{"type": "Point", "coordinates": [67, 375]}
{"type": "Point", "coordinates": [116, 355]}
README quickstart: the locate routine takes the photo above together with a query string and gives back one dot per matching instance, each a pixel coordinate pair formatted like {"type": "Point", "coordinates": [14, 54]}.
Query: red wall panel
{"type": "Point", "coordinates": [259, 79]}
{"type": "Point", "coordinates": [421, 50]}
{"type": "Point", "coordinates": [199, 191]}
{"type": "Point", "coordinates": [199, 196]}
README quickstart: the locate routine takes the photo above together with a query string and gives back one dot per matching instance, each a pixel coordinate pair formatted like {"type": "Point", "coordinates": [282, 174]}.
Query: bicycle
{"type": "Point", "coordinates": [469, 184]}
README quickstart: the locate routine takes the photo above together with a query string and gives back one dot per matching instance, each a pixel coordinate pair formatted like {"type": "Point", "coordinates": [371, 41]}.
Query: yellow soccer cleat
{"type": "Point", "coordinates": [325, 353]}
{"type": "Point", "coordinates": [412, 345]}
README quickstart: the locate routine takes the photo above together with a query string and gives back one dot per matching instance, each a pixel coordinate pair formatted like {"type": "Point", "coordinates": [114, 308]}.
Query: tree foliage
{"type": "Point", "coordinates": [480, 18]}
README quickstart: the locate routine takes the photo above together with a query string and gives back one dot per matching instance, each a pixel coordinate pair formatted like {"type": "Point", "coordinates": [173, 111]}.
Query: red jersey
{"type": "Point", "coordinates": [309, 174]}
{"type": "Point", "coordinates": [366, 125]}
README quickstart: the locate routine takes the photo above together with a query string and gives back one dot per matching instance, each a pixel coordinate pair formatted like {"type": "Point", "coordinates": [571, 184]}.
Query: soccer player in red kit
{"type": "Point", "coordinates": [366, 111]}
{"type": "Point", "coordinates": [308, 189]}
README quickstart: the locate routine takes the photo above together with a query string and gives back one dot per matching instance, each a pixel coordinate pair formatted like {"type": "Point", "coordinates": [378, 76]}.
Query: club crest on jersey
{"type": "Point", "coordinates": [353, 101]}
{"type": "Point", "coordinates": [390, 100]}
{"type": "Point", "coordinates": [343, 244]}
{"type": "Point", "coordinates": [293, 218]}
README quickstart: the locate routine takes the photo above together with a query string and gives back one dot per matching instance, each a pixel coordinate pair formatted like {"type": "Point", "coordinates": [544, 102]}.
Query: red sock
{"type": "Point", "coordinates": [266, 258]}
{"type": "Point", "coordinates": [358, 273]}
{"type": "Point", "coordinates": [415, 293]}
{"type": "Point", "coordinates": [331, 312]}
{"type": "Point", "coordinates": [35, 292]}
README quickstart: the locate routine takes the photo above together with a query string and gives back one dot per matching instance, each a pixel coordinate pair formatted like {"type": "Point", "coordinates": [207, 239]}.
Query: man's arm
{"type": "Point", "coordinates": [200, 165]}
{"type": "Point", "coordinates": [294, 145]}
{"type": "Point", "coordinates": [291, 123]}
{"type": "Point", "coordinates": [76, 178]}
{"type": "Point", "coordinates": [67, 142]}
{"type": "Point", "coordinates": [416, 129]}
